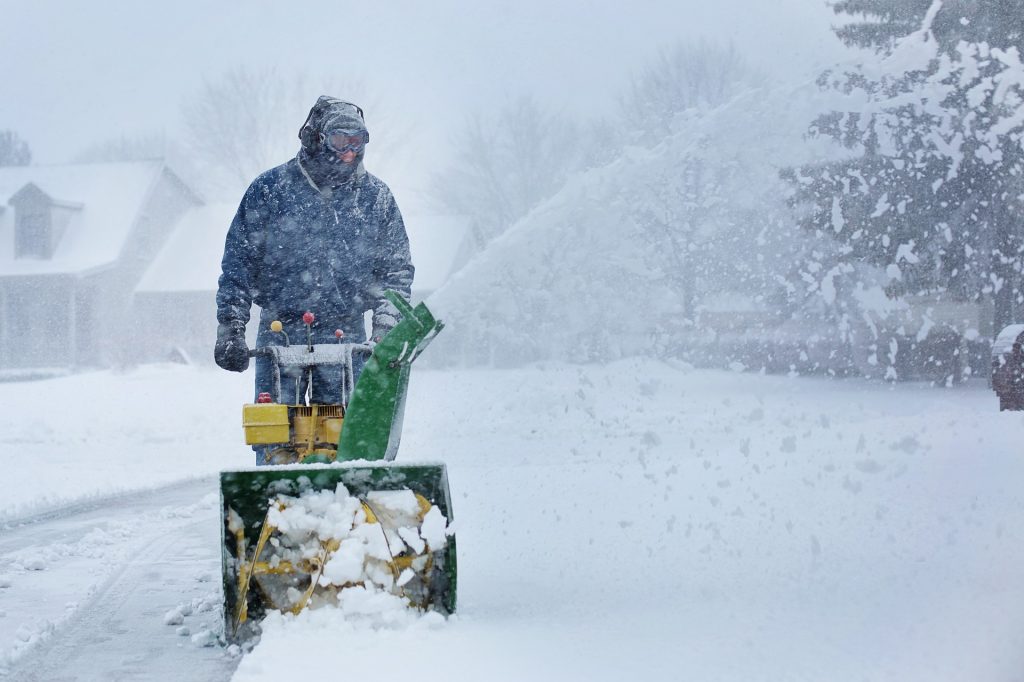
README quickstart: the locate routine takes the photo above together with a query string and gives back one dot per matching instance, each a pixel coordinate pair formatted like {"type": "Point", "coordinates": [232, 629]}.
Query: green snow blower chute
{"type": "Point", "coordinates": [334, 520]}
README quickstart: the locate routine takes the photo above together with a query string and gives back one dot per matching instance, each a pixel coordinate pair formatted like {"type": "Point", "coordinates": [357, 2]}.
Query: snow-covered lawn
{"type": "Point", "coordinates": [102, 433]}
{"type": "Point", "coordinates": [634, 521]}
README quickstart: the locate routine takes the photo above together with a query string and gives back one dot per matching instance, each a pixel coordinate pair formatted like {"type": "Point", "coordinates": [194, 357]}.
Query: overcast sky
{"type": "Point", "coordinates": [75, 73]}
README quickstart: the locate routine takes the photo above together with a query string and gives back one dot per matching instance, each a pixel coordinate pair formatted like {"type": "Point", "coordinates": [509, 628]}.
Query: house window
{"type": "Point", "coordinates": [33, 238]}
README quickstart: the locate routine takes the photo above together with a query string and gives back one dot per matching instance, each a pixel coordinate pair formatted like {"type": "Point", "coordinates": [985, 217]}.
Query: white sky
{"type": "Point", "coordinates": [75, 73]}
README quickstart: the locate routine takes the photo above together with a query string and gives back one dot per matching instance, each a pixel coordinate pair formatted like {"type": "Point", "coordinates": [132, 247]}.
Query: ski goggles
{"type": "Point", "coordinates": [346, 140]}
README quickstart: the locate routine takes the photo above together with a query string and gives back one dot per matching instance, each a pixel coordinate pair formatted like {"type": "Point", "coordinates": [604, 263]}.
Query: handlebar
{"type": "Point", "coordinates": [297, 361]}
{"type": "Point", "coordinates": [331, 350]}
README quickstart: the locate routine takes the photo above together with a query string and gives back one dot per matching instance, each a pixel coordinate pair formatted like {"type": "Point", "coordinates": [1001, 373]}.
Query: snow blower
{"type": "Point", "coordinates": [333, 520]}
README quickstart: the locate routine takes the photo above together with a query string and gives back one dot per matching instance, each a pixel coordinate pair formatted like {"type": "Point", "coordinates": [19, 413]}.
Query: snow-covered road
{"type": "Point", "coordinates": [87, 590]}
{"type": "Point", "coordinates": [634, 521]}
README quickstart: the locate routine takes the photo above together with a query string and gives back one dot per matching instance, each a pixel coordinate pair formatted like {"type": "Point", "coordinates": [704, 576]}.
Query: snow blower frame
{"type": "Point", "coordinates": [321, 446]}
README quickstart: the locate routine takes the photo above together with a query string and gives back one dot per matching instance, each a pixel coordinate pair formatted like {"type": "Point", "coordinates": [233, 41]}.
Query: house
{"type": "Point", "coordinates": [75, 240]}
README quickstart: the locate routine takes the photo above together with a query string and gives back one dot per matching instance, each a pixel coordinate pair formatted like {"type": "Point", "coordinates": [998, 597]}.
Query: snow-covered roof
{"type": "Point", "coordinates": [106, 198]}
{"type": "Point", "coordinates": [190, 260]}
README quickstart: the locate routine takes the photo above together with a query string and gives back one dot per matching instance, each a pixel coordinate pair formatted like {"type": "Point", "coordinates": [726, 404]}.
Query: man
{"type": "Point", "coordinates": [317, 234]}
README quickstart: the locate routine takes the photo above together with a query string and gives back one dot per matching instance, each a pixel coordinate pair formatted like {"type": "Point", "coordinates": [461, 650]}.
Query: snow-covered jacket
{"type": "Point", "coordinates": [292, 247]}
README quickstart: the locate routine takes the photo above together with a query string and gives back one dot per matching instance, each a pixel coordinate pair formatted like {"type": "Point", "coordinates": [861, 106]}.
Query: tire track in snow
{"type": "Point", "coordinates": [164, 556]}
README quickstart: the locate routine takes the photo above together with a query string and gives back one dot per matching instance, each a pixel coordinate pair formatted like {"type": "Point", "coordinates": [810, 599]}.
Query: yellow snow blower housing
{"type": "Point", "coordinates": [299, 431]}
{"type": "Point", "coordinates": [266, 424]}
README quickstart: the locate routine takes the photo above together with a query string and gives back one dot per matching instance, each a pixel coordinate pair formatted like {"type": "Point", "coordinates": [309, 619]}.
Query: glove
{"type": "Point", "coordinates": [382, 324]}
{"type": "Point", "coordinates": [231, 352]}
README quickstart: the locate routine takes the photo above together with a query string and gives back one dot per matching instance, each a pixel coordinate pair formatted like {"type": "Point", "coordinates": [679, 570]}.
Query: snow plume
{"type": "Point", "coordinates": [620, 262]}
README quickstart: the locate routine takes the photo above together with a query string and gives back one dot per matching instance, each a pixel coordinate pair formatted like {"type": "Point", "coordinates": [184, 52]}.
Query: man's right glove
{"type": "Point", "coordinates": [378, 334]}
{"type": "Point", "coordinates": [382, 324]}
{"type": "Point", "coordinates": [231, 353]}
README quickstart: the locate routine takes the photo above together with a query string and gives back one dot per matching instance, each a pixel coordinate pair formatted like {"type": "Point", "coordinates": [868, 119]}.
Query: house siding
{"type": "Point", "coordinates": [37, 314]}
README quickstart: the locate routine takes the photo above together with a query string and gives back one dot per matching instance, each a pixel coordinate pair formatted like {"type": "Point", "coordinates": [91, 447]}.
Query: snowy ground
{"type": "Point", "coordinates": [636, 521]}
{"type": "Point", "coordinates": [102, 433]}
{"type": "Point", "coordinates": [126, 589]}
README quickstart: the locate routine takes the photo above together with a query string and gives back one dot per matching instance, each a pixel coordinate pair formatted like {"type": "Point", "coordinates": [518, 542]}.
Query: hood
{"type": "Point", "coordinates": [322, 165]}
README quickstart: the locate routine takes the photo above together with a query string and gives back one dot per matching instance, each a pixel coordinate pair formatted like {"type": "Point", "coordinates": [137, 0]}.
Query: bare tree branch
{"type": "Point", "coordinates": [14, 151]}
{"type": "Point", "coordinates": [247, 121]}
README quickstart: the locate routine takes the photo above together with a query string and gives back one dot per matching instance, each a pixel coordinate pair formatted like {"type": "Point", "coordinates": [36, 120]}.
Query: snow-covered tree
{"type": "Point", "coordinates": [14, 151]}
{"type": "Point", "coordinates": [878, 24]}
{"type": "Point", "coordinates": [934, 190]}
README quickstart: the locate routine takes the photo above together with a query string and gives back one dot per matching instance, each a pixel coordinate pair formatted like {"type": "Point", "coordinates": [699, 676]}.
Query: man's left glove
{"type": "Point", "coordinates": [231, 353]}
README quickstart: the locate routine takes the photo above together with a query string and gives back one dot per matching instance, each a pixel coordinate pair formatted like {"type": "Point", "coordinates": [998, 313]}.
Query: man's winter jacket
{"type": "Point", "coordinates": [293, 247]}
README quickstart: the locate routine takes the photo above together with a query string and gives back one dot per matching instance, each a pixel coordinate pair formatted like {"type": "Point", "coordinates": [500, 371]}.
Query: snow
{"type": "Point", "coordinates": [631, 520]}
{"type": "Point", "coordinates": [73, 581]}
{"type": "Point", "coordinates": [116, 432]}
{"type": "Point", "coordinates": [303, 523]}
{"type": "Point", "coordinates": [434, 529]}
{"type": "Point", "coordinates": [838, 222]}
{"type": "Point", "coordinates": [598, 271]}
{"type": "Point", "coordinates": [174, 617]}
{"type": "Point", "coordinates": [434, 241]}
{"type": "Point", "coordinates": [915, 51]}
{"type": "Point", "coordinates": [634, 519]}
{"type": "Point", "coordinates": [190, 259]}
